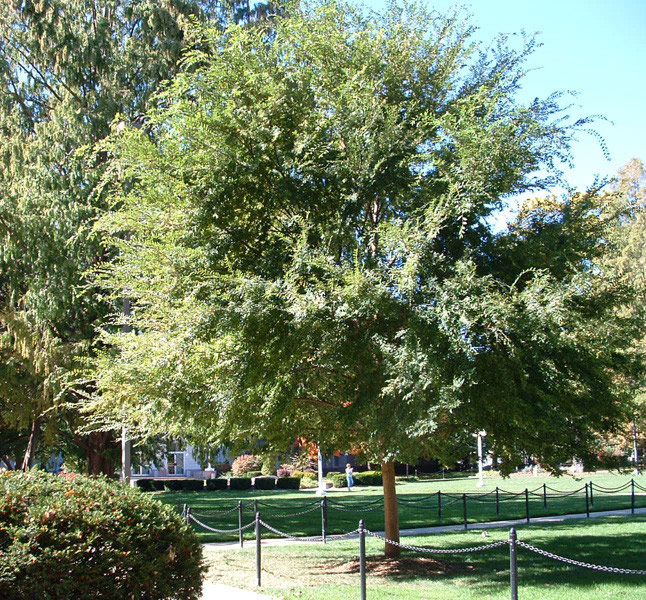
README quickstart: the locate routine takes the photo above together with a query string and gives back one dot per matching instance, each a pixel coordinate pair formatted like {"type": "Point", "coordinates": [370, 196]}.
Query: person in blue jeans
{"type": "Point", "coordinates": [349, 476]}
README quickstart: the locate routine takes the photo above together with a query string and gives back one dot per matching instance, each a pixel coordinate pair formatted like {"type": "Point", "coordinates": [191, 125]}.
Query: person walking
{"type": "Point", "coordinates": [349, 472]}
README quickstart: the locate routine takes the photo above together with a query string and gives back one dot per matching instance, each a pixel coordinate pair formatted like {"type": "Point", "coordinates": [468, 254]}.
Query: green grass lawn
{"type": "Point", "coordinates": [329, 572]}
{"type": "Point", "coordinates": [418, 504]}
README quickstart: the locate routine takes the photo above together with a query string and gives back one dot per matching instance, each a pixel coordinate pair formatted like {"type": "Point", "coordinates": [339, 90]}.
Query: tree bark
{"type": "Point", "coordinates": [32, 444]}
{"type": "Point", "coordinates": [99, 445]}
{"type": "Point", "coordinates": [391, 510]}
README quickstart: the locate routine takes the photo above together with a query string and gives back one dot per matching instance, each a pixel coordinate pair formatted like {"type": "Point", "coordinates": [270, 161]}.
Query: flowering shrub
{"type": "Point", "coordinates": [71, 538]}
{"type": "Point", "coordinates": [245, 463]}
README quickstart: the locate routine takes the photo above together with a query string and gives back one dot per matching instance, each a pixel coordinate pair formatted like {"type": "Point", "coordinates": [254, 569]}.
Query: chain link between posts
{"type": "Point", "coordinates": [578, 563]}
{"type": "Point", "coordinates": [435, 550]}
{"type": "Point", "coordinates": [317, 538]}
{"type": "Point", "coordinates": [214, 530]}
{"type": "Point", "coordinates": [296, 514]}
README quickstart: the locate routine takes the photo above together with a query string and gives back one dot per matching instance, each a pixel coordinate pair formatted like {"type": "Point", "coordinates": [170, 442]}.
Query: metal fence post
{"type": "Point", "coordinates": [587, 502]}
{"type": "Point", "coordinates": [527, 504]}
{"type": "Point", "coordinates": [464, 507]}
{"type": "Point", "coordinates": [187, 517]}
{"type": "Point", "coordinates": [632, 496]}
{"type": "Point", "coordinates": [184, 514]}
{"type": "Point", "coordinates": [240, 523]}
{"type": "Point", "coordinates": [513, 567]}
{"type": "Point", "coordinates": [362, 558]}
{"type": "Point", "coordinates": [545, 496]}
{"type": "Point", "coordinates": [497, 502]}
{"type": "Point", "coordinates": [255, 507]}
{"type": "Point", "coordinates": [258, 549]}
{"type": "Point", "coordinates": [591, 494]}
{"type": "Point", "coordinates": [324, 519]}
{"type": "Point", "coordinates": [439, 506]}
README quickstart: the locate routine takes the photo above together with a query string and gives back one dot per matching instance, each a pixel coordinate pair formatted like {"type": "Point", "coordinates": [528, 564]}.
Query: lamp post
{"type": "Point", "coordinates": [636, 449]}
{"type": "Point", "coordinates": [321, 491]}
{"type": "Point", "coordinates": [480, 435]}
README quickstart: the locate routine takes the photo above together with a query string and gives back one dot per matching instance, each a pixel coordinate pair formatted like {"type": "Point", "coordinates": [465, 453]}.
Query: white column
{"type": "Point", "coordinates": [126, 460]}
{"type": "Point", "coordinates": [321, 491]}
{"type": "Point", "coordinates": [481, 482]}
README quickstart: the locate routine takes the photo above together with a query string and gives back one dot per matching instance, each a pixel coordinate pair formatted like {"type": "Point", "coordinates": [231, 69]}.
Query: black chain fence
{"type": "Point", "coordinates": [497, 496]}
{"type": "Point", "coordinates": [443, 508]}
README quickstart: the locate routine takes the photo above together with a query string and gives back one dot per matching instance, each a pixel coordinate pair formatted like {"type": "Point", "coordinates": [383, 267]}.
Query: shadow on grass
{"type": "Point", "coordinates": [577, 540]}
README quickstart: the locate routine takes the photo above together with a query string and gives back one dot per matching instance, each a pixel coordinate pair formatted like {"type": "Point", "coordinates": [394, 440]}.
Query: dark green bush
{"type": "Point", "coordinates": [158, 485]}
{"type": "Point", "coordinates": [173, 485]}
{"type": "Point", "coordinates": [338, 480]}
{"type": "Point", "coordinates": [184, 485]}
{"type": "Point", "coordinates": [73, 537]}
{"type": "Point", "coordinates": [264, 483]}
{"type": "Point", "coordinates": [240, 483]}
{"type": "Point", "coordinates": [288, 483]}
{"type": "Point", "coordinates": [368, 478]}
{"type": "Point", "coordinates": [217, 484]}
{"type": "Point", "coordinates": [330, 473]}
{"type": "Point", "coordinates": [193, 485]}
{"type": "Point", "coordinates": [145, 485]}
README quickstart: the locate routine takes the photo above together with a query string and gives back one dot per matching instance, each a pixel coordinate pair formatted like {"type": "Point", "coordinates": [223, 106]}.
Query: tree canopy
{"type": "Point", "coordinates": [309, 250]}
{"type": "Point", "coordinates": [67, 69]}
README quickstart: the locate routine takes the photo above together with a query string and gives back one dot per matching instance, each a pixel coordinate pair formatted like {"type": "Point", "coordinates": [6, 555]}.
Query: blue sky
{"type": "Point", "coordinates": [594, 47]}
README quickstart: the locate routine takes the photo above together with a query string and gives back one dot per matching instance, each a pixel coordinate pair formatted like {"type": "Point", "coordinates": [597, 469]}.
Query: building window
{"type": "Point", "coordinates": [175, 463]}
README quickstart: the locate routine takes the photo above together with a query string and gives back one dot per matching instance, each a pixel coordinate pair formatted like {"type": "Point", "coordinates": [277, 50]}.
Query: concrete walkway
{"type": "Point", "coordinates": [219, 591]}
{"type": "Point", "coordinates": [213, 591]}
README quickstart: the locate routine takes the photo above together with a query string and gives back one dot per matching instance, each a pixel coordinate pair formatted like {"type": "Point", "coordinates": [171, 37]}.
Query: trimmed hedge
{"type": "Point", "coordinates": [184, 485]}
{"type": "Point", "coordinates": [145, 485]}
{"type": "Point", "coordinates": [240, 483]}
{"type": "Point", "coordinates": [217, 484]}
{"type": "Point", "coordinates": [288, 483]}
{"type": "Point", "coordinates": [71, 537]}
{"type": "Point", "coordinates": [368, 478]}
{"type": "Point", "coordinates": [264, 483]}
{"type": "Point", "coordinates": [338, 480]}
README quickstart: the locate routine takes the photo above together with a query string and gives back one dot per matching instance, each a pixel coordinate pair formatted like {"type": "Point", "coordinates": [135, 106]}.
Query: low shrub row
{"type": "Point", "coordinates": [221, 483]}
{"type": "Point", "coordinates": [339, 480]}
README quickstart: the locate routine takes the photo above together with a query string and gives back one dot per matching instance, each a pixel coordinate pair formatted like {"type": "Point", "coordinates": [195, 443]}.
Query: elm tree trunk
{"type": "Point", "coordinates": [391, 510]}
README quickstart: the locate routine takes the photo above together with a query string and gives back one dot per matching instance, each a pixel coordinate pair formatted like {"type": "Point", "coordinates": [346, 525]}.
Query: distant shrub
{"type": "Point", "coordinates": [308, 482]}
{"type": "Point", "coordinates": [245, 463]}
{"type": "Point", "coordinates": [288, 483]}
{"type": "Point", "coordinates": [368, 478]}
{"type": "Point", "coordinates": [252, 474]}
{"type": "Point", "coordinates": [338, 480]}
{"type": "Point", "coordinates": [282, 473]}
{"type": "Point", "coordinates": [193, 485]}
{"type": "Point", "coordinates": [240, 483]}
{"type": "Point", "coordinates": [72, 538]}
{"type": "Point", "coordinates": [145, 485]}
{"type": "Point", "coordinates": [217, 484]}
{"type": "Point", "coordinates": [264, 483]}
{"type": "Point", "coordinates": [298, 474]}
{"type": "Point", "coordinates": [183, 485]}
{"type": "Point", "coordinates": [173, 485]}
{"type": "Point", "coordinates": [330, 473]}
{"type": "Point", "coordinates": [268, 466]}
{"type": "Point", "coordinates": [222, 467]}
